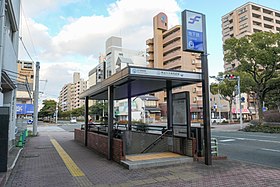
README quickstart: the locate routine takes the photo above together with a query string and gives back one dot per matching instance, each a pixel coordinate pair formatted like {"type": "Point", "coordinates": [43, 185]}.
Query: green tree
{"type": "Point", "coordinates": [97, 108]}
{"type": "Point", "coordinates": [48, 108]}
{"type": "Point", "coordinates": [228, 88]}
{"type": "Point", "coordinates": [259, 56]}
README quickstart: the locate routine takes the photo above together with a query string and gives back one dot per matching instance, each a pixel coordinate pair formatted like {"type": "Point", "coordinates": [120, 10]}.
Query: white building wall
{"type": "Point", "coordinates": [9, 37]}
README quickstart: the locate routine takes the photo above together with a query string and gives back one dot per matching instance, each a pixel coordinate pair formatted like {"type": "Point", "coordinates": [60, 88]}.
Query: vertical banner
{"type": "Point", "coordinates": [193, 31]}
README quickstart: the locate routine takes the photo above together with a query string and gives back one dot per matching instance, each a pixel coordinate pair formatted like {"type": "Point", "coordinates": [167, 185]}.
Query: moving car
{"type": "Point", "coordinates": [73, 120]}
{"type": "Point", "coordinates": [217, 120]}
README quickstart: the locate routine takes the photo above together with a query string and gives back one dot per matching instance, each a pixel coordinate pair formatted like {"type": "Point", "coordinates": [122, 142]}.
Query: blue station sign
{"type": "Point", "coordinates": [25, 109]}
{"type": "Point", "coordinates": [193, 31]}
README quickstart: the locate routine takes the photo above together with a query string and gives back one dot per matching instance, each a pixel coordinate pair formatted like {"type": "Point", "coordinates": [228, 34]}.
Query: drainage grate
{"type": "Point", "coordinates": [30, 155]}
{"type": "Point", "coordinates": [44, 147]}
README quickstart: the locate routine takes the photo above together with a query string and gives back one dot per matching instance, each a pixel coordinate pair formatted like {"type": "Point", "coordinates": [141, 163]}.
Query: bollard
{"type": "Point", "coordinates": [19, 144]}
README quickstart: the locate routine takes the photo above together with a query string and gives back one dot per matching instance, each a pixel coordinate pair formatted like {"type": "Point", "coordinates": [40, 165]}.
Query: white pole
{"type": "Point", "coordinates": [240, 108]}
{"type": "Point", "coordinates": [56, 112]}
{"type": "Point", "coordinates": [36, 95]}
{"type": "Point", "coordinates": [219, 107]}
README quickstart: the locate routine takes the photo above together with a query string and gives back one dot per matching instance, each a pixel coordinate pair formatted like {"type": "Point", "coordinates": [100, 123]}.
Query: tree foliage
{"type": "Point", "coordinates": [258, 56]}
{"type": "Point", "coordinates": [49, 107]}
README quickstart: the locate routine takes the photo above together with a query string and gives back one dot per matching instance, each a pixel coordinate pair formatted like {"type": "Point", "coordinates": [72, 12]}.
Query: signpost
{"type": "Point", "coordinates": [194, 40]}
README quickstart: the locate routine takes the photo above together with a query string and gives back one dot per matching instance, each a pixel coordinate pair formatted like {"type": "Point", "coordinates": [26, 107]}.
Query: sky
{"type": "Point", "coordinates": [67, 36]}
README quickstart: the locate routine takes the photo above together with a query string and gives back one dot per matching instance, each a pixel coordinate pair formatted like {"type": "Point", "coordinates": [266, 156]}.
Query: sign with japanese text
{"type": "Point", "coordinates": [193, 31]}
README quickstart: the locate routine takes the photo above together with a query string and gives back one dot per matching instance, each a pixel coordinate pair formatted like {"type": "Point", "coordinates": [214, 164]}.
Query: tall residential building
{"type": "Point", "coordinates": [165, 51]}
{"type": "Point", "coordinates": [9, 38]}
{"type": "Point", "coordinates": [246, 20]}
{"type": "Point", "coordinates": [24, 94]}
{"type": "Point", "coordinates": [69, 97]}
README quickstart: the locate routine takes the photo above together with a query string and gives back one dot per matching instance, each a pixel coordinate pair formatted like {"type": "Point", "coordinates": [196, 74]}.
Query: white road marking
{"type": "Point", "coordinates": [248, 139]}
{"type": "Point", "coordinates": [227, 140]}
{"type": "Point", "coordinates": [273, 150]}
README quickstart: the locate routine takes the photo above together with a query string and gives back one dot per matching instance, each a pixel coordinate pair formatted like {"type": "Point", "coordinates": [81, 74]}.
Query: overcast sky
{"type": "Point", "coordinates": [66, 36]}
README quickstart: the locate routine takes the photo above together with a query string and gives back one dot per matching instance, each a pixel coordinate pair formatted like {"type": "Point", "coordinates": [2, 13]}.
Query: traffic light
{"type": "Point", "coordinates": [230, 76]}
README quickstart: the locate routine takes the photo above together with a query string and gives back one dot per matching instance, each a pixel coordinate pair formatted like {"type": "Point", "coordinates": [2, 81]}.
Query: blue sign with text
{"type": "Point", "coordinates": [25, 109]}
{"type": "Point", "coordinates": [193, 31]}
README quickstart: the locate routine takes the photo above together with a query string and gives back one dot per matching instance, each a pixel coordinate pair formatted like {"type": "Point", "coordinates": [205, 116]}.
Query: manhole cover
{"type": "Point", "coordinates": [30, 155]}
{"type": "Point", "coordinates": [44, 147]}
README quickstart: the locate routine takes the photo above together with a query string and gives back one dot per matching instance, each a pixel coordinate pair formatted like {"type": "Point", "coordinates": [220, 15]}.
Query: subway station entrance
{"type": "Point", "coordinates": [118, 142]}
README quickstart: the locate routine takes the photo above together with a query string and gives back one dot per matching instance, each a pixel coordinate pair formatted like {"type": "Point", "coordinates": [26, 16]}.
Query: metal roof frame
{"type": "Point", "coordinates": [142, 80]}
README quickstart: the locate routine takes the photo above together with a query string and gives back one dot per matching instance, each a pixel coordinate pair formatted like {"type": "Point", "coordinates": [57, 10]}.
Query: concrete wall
{"type": "Point", "coordinates": [99, 143]}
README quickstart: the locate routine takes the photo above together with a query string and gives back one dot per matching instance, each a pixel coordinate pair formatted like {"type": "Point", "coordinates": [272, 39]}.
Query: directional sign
{"type": "Point", "coordinates": [193, 30]}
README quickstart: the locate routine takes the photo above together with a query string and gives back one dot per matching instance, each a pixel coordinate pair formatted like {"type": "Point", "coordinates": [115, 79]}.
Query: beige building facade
{"type": "Point", "coordinates": [165, 51]}
{"type": "Point", "coordinates": [25, 82]}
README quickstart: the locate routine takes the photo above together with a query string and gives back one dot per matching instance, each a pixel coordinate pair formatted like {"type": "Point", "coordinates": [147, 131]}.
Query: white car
{"type": "Point", "coordinates": [217, 120]}
{"type": "Point", "coordinates": [73, 120]}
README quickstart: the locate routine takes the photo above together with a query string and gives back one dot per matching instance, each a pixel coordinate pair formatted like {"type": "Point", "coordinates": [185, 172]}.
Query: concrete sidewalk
{"type": "Point", "coordinates": [55, 159]}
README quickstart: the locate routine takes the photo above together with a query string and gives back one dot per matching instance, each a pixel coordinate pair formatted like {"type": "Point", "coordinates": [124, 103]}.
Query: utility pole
{"type": "Point", "coordinates": [56, 112]}
{"type": "Point", "coordinates": [240, 108]}
{"type": "Point", "coordinates": [219, 107]}
{"type": "Point", "coordinates": [35, 97]}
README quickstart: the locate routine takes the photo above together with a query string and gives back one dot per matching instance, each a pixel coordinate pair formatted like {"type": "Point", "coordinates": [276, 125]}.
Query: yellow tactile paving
{"type": "Point", "coordinates": [152, 156]}
{"type": "Point", "coordinates": [70, 164]}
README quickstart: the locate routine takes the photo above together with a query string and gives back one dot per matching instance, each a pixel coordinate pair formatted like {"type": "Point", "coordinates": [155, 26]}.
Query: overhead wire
{"type": "Point", "coordinates": [29, 34]}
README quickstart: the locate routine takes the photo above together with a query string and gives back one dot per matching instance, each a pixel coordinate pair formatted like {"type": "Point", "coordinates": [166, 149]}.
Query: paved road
{"type": "Point", "coordinates": [260, 148]}
{"type": "Point", "coordinates": [54, 159]}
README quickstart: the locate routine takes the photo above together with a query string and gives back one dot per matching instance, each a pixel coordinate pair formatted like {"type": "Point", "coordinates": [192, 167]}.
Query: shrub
{"type": "Point", "coordinates": [263, 128]}
{"type": "Point", "coordinates": [272, 116]}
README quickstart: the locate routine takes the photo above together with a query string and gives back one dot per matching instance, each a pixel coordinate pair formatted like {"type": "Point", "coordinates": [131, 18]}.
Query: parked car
{"type": "Point", "coordinates": [30, 121]}
{"type": "Point", "coordinates": [73, 120]}
{"type": "Point", "coordinates": [217, 120]}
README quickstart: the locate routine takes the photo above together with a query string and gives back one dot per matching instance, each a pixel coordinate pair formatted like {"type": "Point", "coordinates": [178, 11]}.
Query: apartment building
{"type": "Point", "coordinates": [25, 79]}
{"type": "Point", "coordinates": [69, 97]}
{"type": "Point", "coordinates": [246, 20]}
{"type": "Point", "coordinates": [165, 51]}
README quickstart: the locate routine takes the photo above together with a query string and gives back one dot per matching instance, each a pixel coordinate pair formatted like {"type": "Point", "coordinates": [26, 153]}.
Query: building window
{"type": "Point", "coordinates": [277, 21]}
{"type": "Point", "coordinates": [242, 18]}
{"type": "Point", "coordinates": [268, 19]}
{"type": "Point", "coordinates": [267, 11]}
{"type": "Point", "coordinates": [194, 90]}
{"type": "Point", "coordinates": [256, 16]}
{"type": "Point", "coordinates": [268, 26]}
{"type": "Point", "coordinates": [241, 11]}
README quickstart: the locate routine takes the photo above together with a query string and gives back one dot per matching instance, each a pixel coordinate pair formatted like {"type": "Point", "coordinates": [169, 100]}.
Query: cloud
{"type": "Point", "coordinates": [80, 41]}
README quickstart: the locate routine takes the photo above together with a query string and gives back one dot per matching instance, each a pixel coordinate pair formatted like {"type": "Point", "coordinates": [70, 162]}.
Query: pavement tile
{"type": "Point", "coordinates": [40, 165]}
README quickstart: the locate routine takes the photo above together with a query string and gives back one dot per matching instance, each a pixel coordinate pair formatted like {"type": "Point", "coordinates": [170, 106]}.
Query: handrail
{"type": "Point", "coordinates": [156, 141]}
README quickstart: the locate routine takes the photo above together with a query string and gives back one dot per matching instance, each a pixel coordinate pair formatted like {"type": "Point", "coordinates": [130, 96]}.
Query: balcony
{"type": "Point", "coordinates": [150, 49]}
{"type": "Point", "coordinates": [199, 93]}
{"type": "Point", "coordinates": [199, 84]}
{"type": "Point", "coordinates": [172, 55]}
{"type": "Point", "coordinates": [150, 57]}
{"type": "Point", "coordinates": [174, 36]}
{"type": "Point", "coordinates": [172, 46]}
{"type": "Point", "coordinates": [198, 65]}
{"type": "Point", "coordinates": [150, 42]}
